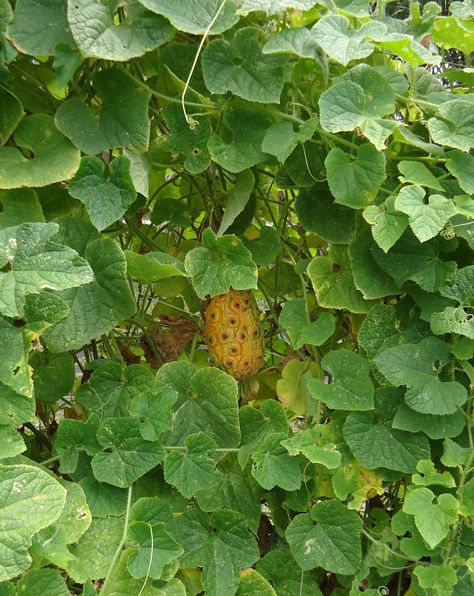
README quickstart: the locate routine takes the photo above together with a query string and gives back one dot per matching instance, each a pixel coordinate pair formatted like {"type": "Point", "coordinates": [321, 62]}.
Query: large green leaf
{"type": "Point", "coordinates": [95, 307]}
{"type": "Point", "coordinates": [377, 445]}
{"type": "Point", "coordinates": [219, 264]}
{"type": "Point", "coordinates": [98, 35]}
{"type": "Point", "coordinates": [15, 372]}
{"type": "Point", "coordinates": [242, 68]}
{"type": "Point", "coordinates": [459, 287]}
{"type": "Point", "coordinates": [272, 6]}
{"type": "Point", "coordinates": [418, 366]}
{"type": "Point", "coordinates": [427, 215]}
{"type": "Point", "coordinates": [342, 42]}
{"type": "Point", "coordinates": [38, 27]}
{"type": "Point", "coordinates": [461, 165]}
{"type": "Point", "coordinates": [273, 466]}
{"type": "Point", "coordinates": [328, 536]}
{"type": "Point", "coordinates": [359, 102]}
{"type": "Point", "coordinates": [386, 222]}
{"type": "Point", "coordinates": [195, 16]}
{"type": "Point", "coordinates": [126, 456]}
{"type": "Point", "coordinates": [351, 387]}
{"type": "Point", "coordinates": [106, 199]}
{"type": "Point", "coordinates": [210, 405]}
{"type": "Point", "coordinates": [355, 183]}
{"type": "Point", "coordinates": [433, 520]}
{"type": "Point", "coordinates": [38, 582]}
{"type": "Point", "coordinates": [279, 567]}
{"type": "Point", "coordinates": [455, 127]}
{"type": "Point", "coordinates": [435, 427]}
{"type": "Point", "coordinates": [247, 129]}
{"type": "Point", "coordinates": [294, 318]}
{"type": "Point", "coordinates": [333, 281]}
{"type": "Point", "coordinates": [193, 469]}
{"type": "Point", "coordinates": [54, 157]}
{"type": "Point", "coordinates": [121, 121]}
{"type": "Point", "coordinates": [152, 549]}
{"type": "Point", "coordinates": [37, 263]}
{"type": "Point", "coordinates": [220, 544]}
{"type": "Point", "coordinates": [30, 499]}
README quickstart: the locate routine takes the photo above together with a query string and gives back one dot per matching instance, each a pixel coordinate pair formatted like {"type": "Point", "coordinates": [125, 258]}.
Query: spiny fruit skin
{"type": "Point", "coordinates": [233, 333]}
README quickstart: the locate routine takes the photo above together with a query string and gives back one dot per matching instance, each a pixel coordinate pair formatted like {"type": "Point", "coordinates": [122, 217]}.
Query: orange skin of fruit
{"type": "Point", "coordinates": [233, 333]}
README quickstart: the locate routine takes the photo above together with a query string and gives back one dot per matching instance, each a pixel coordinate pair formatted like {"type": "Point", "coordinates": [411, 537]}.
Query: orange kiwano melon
{"type": "Point", "coordinates": [233, 333]}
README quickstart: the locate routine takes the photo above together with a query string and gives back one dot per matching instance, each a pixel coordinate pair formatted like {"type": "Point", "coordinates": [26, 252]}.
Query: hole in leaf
{"type": "Point", "coordinates": [238, 60]}
{"type": "Point", "coordinates": [336, 268]}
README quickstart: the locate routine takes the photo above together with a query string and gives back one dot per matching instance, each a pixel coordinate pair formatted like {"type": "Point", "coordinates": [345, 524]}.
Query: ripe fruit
{"type": "Point", "coordinates": [233, 333]}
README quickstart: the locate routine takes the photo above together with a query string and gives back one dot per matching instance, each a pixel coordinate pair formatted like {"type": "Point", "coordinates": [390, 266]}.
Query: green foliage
{"type": "Point", "coordinates": [155, 153]}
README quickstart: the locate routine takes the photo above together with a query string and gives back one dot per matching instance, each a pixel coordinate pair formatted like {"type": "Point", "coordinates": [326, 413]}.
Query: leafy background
{"type": "Point", "coordinates": [155, 152]}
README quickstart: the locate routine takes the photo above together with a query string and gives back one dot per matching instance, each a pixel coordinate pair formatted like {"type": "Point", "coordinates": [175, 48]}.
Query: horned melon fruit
{"type": "Point", "coordinates": [233, 333]}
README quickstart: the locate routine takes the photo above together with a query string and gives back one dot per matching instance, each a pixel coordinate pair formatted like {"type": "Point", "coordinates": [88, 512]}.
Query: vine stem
{"type": "Point", "coordinates": [122, 540]}
{"type": "Point", "coordinates": [193, 123]}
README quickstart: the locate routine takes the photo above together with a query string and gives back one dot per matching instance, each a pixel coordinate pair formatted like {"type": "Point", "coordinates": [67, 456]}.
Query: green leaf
{"type": "Point", "coordinates": [126, 456]}
{"type": "Point", "coordinates": [192, 470]}
{"type": "Point", "coordinates": [37, 263]}
{"type": "Point", "coordinates": [461, 166]}
{"type": "Point", "coordinates": [237, 199]}
{"type": "Point", "coordinates": [456, 126]}
{"type": "Point", "coordinates": [94, 551]}
{"type": "Point", "coordinates": [30, 499]}
{"type": "Point", "coordinates": [429, 476]}
{"type": "Point", "coordinates": [11, 112]}
{"type": "Point", "coordinates": [219, 264]}
{"type": "Point", "coordinates": [282, 571]}
{"type": "Point", "coordinates": [318, 213]}
{"type": "Point", "coordinates": [328, 537]}
{"type": "Point", "coordinates": [333, 281]}
{"type": "Point", "coordinates": [436, 427]}
{"type": "Point", "coordinates": [15, 408]}
{"type": "Point", "coordinates": [11, 442]}
{"type": "Point", "coordinates": [294, 318]}
{"type": "Point", "coordinates": [351, 387]}
{"type": "Point", "coordinates": [345, 107]}
{"type": "Point", "coordinates": [418, 367]}
{"type": "Point", "coordinates": [459, 287]}
{"type": "Point", "coordinates": [265, 248]}
{"type": "Point", "coordinates": [98, 306]}
{"type": "Point", "coordinates": [98, 35]}
{"type": "Point", "coordinates": [189, 143]}
{"type": "Point", "coordinates": [210, 405]}
{"type": "Point", "coordinates": [355, 183]}
{"type": "Point", "coordinates": [51, 543]}
{"type": "Point", "coordinates": [15, 372]}
{"type": "Point", "coordinates": [387, 223]}
{"type": "Point", "coordinates": [369, 278]}
{"type": "Point", "coordinates": [220, 544]}
{"type": "Point", "coordinates": [281, 139]}
{"type": "Point", "coordinates": [103, 499]}
{"type": "Point", "coordinates": [153, 266]}
{"type": "Point", "coordinates": [449, 32]}
{"type": "Point", "coordinates": [467, 498]}
{"type": "Point", "coordinates": [154, 413]}
{"type": "Point", "coordinates": [19, 205]}
{"type": "Point", "coordinates": [247, 129]}
{"type": "Point", "coordinates": [38, 582]}
{"type": "Point", "coordinates": [300, 42]}
{"type": "Point", "coordinates": [341, 41]}
{"type": "Point", "coordinates": [440, 578]}
{"type": "Point", "coordinates": [175, 376]}
{"type": "Point", "coordinates": [54, 157]}
{"type": "Point", "coordinates": [195, 16]}
{"type": "Point", "coordinates": [121, 121]}
{"type": "Point", "coordinates": [273, 466]}
{"type": "Point", "coordinates": [254, 584]}
{"type": "Point", "coordinates": [272, 6]}
{"type": "Point", "coordinates": [408, 260]}
{"type": "Point", "coordinates": [453, 454]}
{"type": "Point", "coordinates": [74, 436]}
{"type": "Point", "coordinates": [152, 549]}
{"type": "Point", "coordinates": [31, 21]}
{"type": "Point", "coordinates": [308, 443]}
{"type": "Point", "coordinates": [427, 215]}
{"type": "Point", "coordinates": [106, 199]}
{"type": "Point", "coordinates": [418, 174]}
{"type": "Point", "coordinates": [241, 68]}
{"type": "Point", "coordinates": [433, 520]}
{"type": "Point", "coordinates": [53, 376]}
{"type": "Point", "coordinates": [376, 444]}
